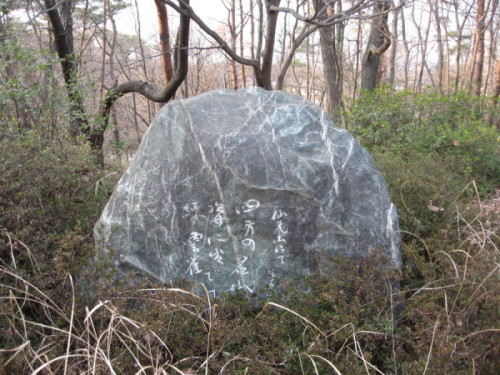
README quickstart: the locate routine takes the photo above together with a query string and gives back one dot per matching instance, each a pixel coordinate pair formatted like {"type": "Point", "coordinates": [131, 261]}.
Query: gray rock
{"type": "Point", "coordinates": [245, 189]}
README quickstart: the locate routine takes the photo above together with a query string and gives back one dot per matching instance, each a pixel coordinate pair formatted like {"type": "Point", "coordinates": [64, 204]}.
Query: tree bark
{"type": "Point", "coordinates": [62, 30]}
{"type": "Point", "coordinates": [242, 44]}
{"type": "Point", "coordinates": [423, 44]}
{"type": "Point", "coordinates": [263, 76]}
{"type": "Point", "coordinates": [479, 58]}
{"type": "Point", "coordinates": [378, 42]}
{"type": "Point", "coordinates": [339, 47]}
{"type": "Point", "coordinates": [252, 35]}
{"type": "Point", "coordinates": [330, 57]}
{"type": "Point", "coordinates": [104, 45]}
{"type": "Point", "coordinates": [166, 54]}
{"type": "Point", "coordinates": [460, 28]}
{"type": "Point", "coordinates": [262, 64]}
{"type": "Point", "coordinates": [493, 117]}
{"type": "Point", "coordinates": [407, 50]}
{"type": "Point", "coordinates": [233, 36]}
{"type": "Point", "coordinates": [151, 108]}
{"type": "Point", "coordinates": [437, 19]}
{"type": "Point", "coordinates": [394, 48]}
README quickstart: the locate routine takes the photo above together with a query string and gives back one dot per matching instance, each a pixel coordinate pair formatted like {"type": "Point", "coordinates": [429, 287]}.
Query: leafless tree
{"type": "Point", "coordinates": [394, 46]}
{"type": "Point", "coordinates": [242, 43]}
{"type": "Point", "coordinates": [145, 88]}
{"type": "Point", "coordinates": [332, 66]}
{"type": "Point", "coordinates": [479, 49]}
{"type": "Point", "coordinates": [434, 9]}
{"type": "Point", "coordinates": [262, 64]}
{"type": "Point", "coordinates": [378, 42]}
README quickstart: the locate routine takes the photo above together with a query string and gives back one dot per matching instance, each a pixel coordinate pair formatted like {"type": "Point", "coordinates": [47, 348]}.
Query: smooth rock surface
{"type": "Point", "coordinates": [241, 190]}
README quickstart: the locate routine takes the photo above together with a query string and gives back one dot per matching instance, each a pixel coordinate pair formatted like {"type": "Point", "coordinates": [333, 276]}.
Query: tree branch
{"type": "Point", "coordinates": [185, 9]}
{"type": "Point", "coordinates": [315, 25]}
{"type": "Point", "coordinates": [144, 88]}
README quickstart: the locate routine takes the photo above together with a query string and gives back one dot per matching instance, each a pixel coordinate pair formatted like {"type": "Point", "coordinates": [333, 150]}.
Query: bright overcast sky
{"type": "Point", "coordinates": [209, 10]}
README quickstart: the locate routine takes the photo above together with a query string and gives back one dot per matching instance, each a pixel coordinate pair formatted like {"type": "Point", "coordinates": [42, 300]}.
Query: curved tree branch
{"type": "Point", "coordinates": [97, 136]}
{"type": "Point", "coordinates": [186, 10]}
{"type": "Point", "coordinates": [262, 65]}
{"type": "Point", "coordinates": [289, 57]}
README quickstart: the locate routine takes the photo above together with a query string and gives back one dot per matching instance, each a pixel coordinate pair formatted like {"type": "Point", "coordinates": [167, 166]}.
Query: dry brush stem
{"type": "Point", "coordinates": [67, 343]}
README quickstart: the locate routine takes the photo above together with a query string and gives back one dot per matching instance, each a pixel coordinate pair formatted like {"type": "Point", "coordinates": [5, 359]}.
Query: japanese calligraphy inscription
{"type": "Point", "coordinates": [213, 260]}
{"type": "Point", "coordinates": [245, 190]}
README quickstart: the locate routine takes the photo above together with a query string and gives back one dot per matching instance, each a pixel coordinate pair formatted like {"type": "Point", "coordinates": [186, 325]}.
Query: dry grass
{"type": "Point", "coordinates": [445, 322]}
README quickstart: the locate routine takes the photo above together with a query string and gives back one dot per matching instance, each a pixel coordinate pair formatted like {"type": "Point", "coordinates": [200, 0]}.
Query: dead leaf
{"type": "Point", "coordinates": [433, 208]}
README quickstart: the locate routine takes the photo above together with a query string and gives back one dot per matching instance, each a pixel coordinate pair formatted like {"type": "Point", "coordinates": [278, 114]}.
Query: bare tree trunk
{"type": "Point", "coordinates": [233, 35]}
{"type": "Point", "coordinates": [378, 42]}
{"type": "Point", "coordinates": [165, 50]}
{"type": "Point", "coordinates": [407, 50]}
{"type": "Point", "coordinates": [496, 95]}
{"type": "Point", "coordinates": [316, 59]}
{"type": "Point", "coordinates": [104, 45]}
{"type": "Point", "coordinates": [112, 47]}
{"type": "Point", "coordinates": [491, 27]}
{"type": "Point", "coordinates": [252, 35]}
{"type": "Point", "coordinates": [460, 28]}
{"type": "Point", "coordinates": [136, 122]}
{"type": "Point", "coordinates": [382, 69]}
{"type": "Point", "coordinates": [394, 47]}
{"type": "Point", "coordinates": [149, 107]}
{"type": "Point", "coordinates": [446, 83]}
{"type": "Point", "coordinates": [308, 68]}
{"type": "Point", "coordinates": [263, 75]}
{"type": "Point", "coordinates": [284, 40]}
{"type": "Point", "coordinates": [284, 57]}
{"type": "Point", "coordinates": [62, 28]}
{"type": "Point", "coordinates": [479, 55]}
{"type": "Point", "coordinates": [434, 8]}
{"type": "Point", "coordinates": [332, 74]}
{"type": "Point", "coordinates": [242, 44]}
{"type": "Point", "coordinates": [358, 55]}
{"type": "Point", "coordinates": [424, 42]}
{"type": "Point", "coordinates": [85, 19]}
{"type": "Point", "coordinates": [116, 131]}
{"type": "Point", "coordinates": [339, 55]}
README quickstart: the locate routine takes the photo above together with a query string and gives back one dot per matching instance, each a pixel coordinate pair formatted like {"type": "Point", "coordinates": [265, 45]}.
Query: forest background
{"type": "Point", "coordinates": [416, 81]}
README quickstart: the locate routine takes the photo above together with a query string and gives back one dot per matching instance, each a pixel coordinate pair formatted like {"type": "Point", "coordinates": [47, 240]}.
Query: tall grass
{"type": "Point", "coordinates": [449, 325]}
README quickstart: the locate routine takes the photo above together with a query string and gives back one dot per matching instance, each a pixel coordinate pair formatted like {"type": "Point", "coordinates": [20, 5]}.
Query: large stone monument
{"type": "Point", "coordinates": [244, 189]}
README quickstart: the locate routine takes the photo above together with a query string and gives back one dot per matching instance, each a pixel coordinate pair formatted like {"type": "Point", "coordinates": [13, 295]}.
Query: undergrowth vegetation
{"type": "Point", "coordinates": [451, 129]}
{"type": "Point", "coordinates": [439, 315]}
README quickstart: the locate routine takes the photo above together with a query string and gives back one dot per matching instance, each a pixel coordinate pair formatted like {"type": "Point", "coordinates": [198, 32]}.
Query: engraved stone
{"type": "Point", "coordinates": [242, 190]}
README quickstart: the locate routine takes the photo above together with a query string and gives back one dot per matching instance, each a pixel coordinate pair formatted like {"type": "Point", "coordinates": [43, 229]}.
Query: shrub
{"type": "Point", "coordinates": [31, 97]}
{"type": "Point", "coordinates": [450, 126]}
{"type": "Point", "coordinates": [49, 201]}
{"type": "Point", "coordinates": [51, 193]}
{"type": "Point", "coordinates": [415, 181]}
{"type": "Point", "coordinates": [317, 325]}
